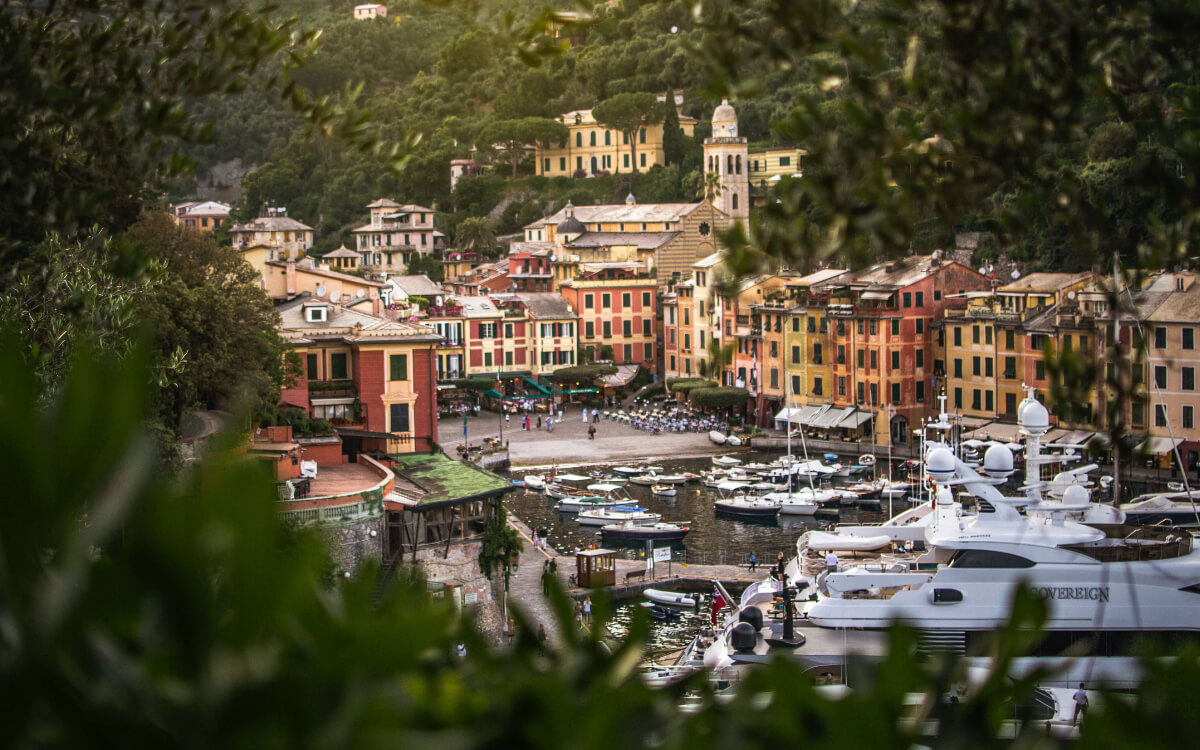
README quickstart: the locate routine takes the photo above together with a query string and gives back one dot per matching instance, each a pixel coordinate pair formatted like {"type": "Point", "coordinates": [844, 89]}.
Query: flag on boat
{"type": "Point", "coordinates": [718, 604]}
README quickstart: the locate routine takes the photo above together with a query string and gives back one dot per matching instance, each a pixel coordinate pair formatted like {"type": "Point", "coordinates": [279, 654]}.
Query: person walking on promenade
{"type": "Point", "coordinates": [595, 416]}
{"type": "Point", "coordinates": [546, 579]}
{"type": "Point", "coordinates": [587, 610]}
{"type": "Point", "coordinates": [539, 421]}
{"type": "Point", "coordinates": [1081, 704]}
{"type": "Point", "coordinates": [591, 432]}
{"type": "Point", "coordinates": [541, 636]}
{"type": "Point", "coordinates": [549, 424]}
{"type": "Point", "coordinates": [511, 631]}
{"type": "Point", "coordinates": [585, 416]}
{"type": "Point", "coordinates": [753, 561]}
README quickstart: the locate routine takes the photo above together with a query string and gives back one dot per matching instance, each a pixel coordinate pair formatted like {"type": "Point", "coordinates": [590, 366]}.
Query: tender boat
{"type": "Point", "coordinates": [632, 532]}
{"type": "Point", "coordinates": [603, 495]}
{"type": "Point", "coordinates": [726, 461]}
{"type": "Point", "coordinates": [565, 492]}
{"type": "Point", "coordinates": [653, 477]}
{"type": "Point", "coordinates": [733, 440]}
{"type": "Point", "coordinates": [663, 490]}
{"type": "Point", "coordinates": [717, 437]}
{"type": "Point", "coordinates": [659, 612]}
{"type": "Point", "coordinates": [535, 481]}
{"type": "Point", "coordinates": [669, 598]}
{"type": "Point", "coordinates": [618, 514]}
{"type": "Point", "coordinates": [1172, 507]}
{"type": "Point", "coordinates": [744, 507]}
{"type": "Point", "coordinates": [631, 471]}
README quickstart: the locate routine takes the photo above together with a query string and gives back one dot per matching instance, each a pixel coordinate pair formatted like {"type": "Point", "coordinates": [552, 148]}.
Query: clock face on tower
{"type": "Point", "coordinates": [704, 229]}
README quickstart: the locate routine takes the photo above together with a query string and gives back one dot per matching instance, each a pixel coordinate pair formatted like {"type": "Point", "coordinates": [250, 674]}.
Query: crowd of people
{"type": "Point", "coordinates": [672, 419]}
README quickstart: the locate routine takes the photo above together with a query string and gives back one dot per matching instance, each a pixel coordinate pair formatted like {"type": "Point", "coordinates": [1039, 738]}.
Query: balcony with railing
{"type": "Point", "coordinates": [332, 388]}
{"type": "Point", "coordinates": [444, 311]}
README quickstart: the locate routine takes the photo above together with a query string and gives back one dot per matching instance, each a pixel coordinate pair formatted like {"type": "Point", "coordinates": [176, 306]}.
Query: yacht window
{"type": "Point", "coordinates": [986, 558]}
{"type": "Point", "coordinates": [946, 596]}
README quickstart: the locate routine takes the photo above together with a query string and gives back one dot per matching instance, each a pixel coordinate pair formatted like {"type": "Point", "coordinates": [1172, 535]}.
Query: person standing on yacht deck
{"type": "Point", "coordinates": [831, 562]}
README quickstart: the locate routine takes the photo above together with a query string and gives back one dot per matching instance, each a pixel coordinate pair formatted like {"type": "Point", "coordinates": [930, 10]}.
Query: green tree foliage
{"type": "Point", "coordinates": [674, 141]}
{"type": "Point", "coordinates": [511, 137]}
{"type": "Point", "coordinates": [585, 374]}
{"type": "Point", "coordinates": [718, 398]}
{"type": "Point", "coordinates": [205, 302]}
{"type": "Point", "coordinates": [429, 265]}
{"type": "Point", "coordinates": [479, 234]}
{"type": "Point", "coordinates": [93, 103]}
{"type": "Point", "coordinates": [628, 114]}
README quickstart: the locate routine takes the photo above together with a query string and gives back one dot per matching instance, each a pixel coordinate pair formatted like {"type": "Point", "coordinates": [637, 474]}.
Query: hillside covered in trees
{"type": "Point", "coordinates": [455, 74]}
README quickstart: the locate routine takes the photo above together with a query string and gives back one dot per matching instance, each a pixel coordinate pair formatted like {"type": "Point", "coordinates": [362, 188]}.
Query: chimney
{"type": "Point", "coordinates": [291, 277]}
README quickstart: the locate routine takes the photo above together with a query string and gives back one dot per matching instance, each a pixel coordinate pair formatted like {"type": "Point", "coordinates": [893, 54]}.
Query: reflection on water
{"type": "Point", "coordinates": [667, 637]}
{"type": "Point", "coordinates": [712, 540]}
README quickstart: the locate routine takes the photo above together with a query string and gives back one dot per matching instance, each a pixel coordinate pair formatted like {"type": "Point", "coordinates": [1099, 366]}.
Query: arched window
{"type": "Point", "coordinates": [579, 140]}
{"type": "Point", "coordinates": [739, 164]}
{"type": "Point", "coordinates": [729, 164]}
{"type": "Point", "coordinates": [607, 138]}
{"type": "Point", "coordinates": [735, 201]}
{"type": "Point", "coordinates": [592, 138]}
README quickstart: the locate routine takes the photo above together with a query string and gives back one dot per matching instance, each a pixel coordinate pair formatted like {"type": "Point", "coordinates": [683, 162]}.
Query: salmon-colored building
{"type": "Point", "coordinates": [882, 339]}
{"type": "Point", "coordinates": [616, 309]}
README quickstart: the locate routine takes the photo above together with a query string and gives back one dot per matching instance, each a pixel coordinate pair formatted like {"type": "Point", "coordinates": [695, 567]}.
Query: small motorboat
{"type": "Point", "coordinates": [743, 507]}
{"type": "Point", "coordinates": [824, 541]}
{"type": "Point", "coordinates": [632, 532]}
{"type": "Point", "coordinates": [669, 598]}
{"type": "Point", "coordinates": [726, 461]}
{"type": "Point", "coordinates": [534, 481]}
{"type": "Point", "coordinates": [659, 612]}
{"type": "Point", "coordinates": [717, 437]}
{"type": "Point", "coordinates": [653, 477]}
{"type": "Point", "coordinates": [733, 440]}
{"type": "Point", "coordinates": [663, 490]}
{"type": "Point", "coordinates": [867, 459]}
{"type": "Point", "coordinates": [618, 514]}
{"type": "Point", "coordinates": [626, 471]}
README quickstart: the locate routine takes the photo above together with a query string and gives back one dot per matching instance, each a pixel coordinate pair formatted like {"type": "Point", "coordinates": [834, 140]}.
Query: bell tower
{"type": "Point", "coordinates": [726, 154]}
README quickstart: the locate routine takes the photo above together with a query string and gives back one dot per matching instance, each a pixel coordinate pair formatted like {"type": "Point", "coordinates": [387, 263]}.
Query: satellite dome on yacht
{"type": "Point", "coordinates": [998, 461]}
{"type": "Point", "coordinates": [940, 464]}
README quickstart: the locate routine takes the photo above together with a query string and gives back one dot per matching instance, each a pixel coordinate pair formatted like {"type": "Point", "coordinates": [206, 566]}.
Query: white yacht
{"type": "Point", "coordinates": [1107, 586]}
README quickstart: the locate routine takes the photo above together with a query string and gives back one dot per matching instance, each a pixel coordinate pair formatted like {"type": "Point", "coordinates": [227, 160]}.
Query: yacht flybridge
{"type": "Point", "coordinates": [1107, 585]}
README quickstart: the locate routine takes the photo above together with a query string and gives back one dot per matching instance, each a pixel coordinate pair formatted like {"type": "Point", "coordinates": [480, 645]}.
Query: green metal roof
{"type": "Point", "coordinates": [445, 480]}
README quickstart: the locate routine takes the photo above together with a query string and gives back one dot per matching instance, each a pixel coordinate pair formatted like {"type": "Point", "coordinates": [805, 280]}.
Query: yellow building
{"type": "Point", "coordinates": [768, 165]}
{"type": "Point", "coordinates": [287, 238]}
{"type": "Point", "coordinates": [592, 149]}
{"type": "Point", "coordinates": [285, 280]}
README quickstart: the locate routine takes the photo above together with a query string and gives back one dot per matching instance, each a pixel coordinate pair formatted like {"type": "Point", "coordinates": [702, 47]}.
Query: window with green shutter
{"type": "Point", "coordinates": [337, 366]}
{"type": "Point", "coordinates": [311, 361]}
{"type": "Point", "coordinates": [398, 367]}
{"type": "Point", "coordinates": [398, 418]}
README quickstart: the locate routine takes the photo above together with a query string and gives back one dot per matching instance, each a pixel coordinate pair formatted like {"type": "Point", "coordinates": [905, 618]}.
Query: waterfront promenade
{"type": "Point", "coordinates": [569, 443]}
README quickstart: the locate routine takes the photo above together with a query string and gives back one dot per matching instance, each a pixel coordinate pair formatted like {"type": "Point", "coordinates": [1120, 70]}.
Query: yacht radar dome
{"type": "Point", "coordinates": [1034, 418]}
{"type": "Point", "coordinates": [998, 461]}
{"type": "Point", "coordinates": [1076, 494]}
{"type": "Point", "coordinates": [940, 464]}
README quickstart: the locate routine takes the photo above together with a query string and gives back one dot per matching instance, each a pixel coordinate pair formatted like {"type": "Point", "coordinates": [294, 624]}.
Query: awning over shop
{"type": "Point", "coordinates": [333, 400]}
{"type": "Point", "coordinates": [1077, 437]}
{"type": "Point", "coordinates": [786, 415]}
{"type": "Point", "coordinates": [973, 423]}
{"type": "Point", "coordinates": [1004, 432]}
{"type": "Point", "coordinates": [832, 417]}
{"type": "Point", "coordinates": [877, 295]}
{"type": "Point", "coordinates": [570, 391]}
{"type": "Point", "coordinates": [856, 419]}
{"type": "Point", "coordinates": [1157, 446]}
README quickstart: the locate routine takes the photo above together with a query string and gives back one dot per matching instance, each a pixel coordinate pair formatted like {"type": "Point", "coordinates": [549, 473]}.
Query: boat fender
{"type": "Point", "coordinates": [753, 616]}
{"type": "Point", "coordinates": [743, 638]}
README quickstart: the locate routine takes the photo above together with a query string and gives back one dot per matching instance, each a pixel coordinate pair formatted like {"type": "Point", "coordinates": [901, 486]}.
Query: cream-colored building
{"type": "Point", "coordinates": [284, 237]}
{"type": "Point", "coordinates": [395, 233]}
{"type": "Point", "coordinates": [1173, 360]}
{"type": "Point", "coordinates": [669, 237]}
{"type": "Point", "coordinates": [368, 11]}
{"type": "Point", "coordinates": [592, 149]}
